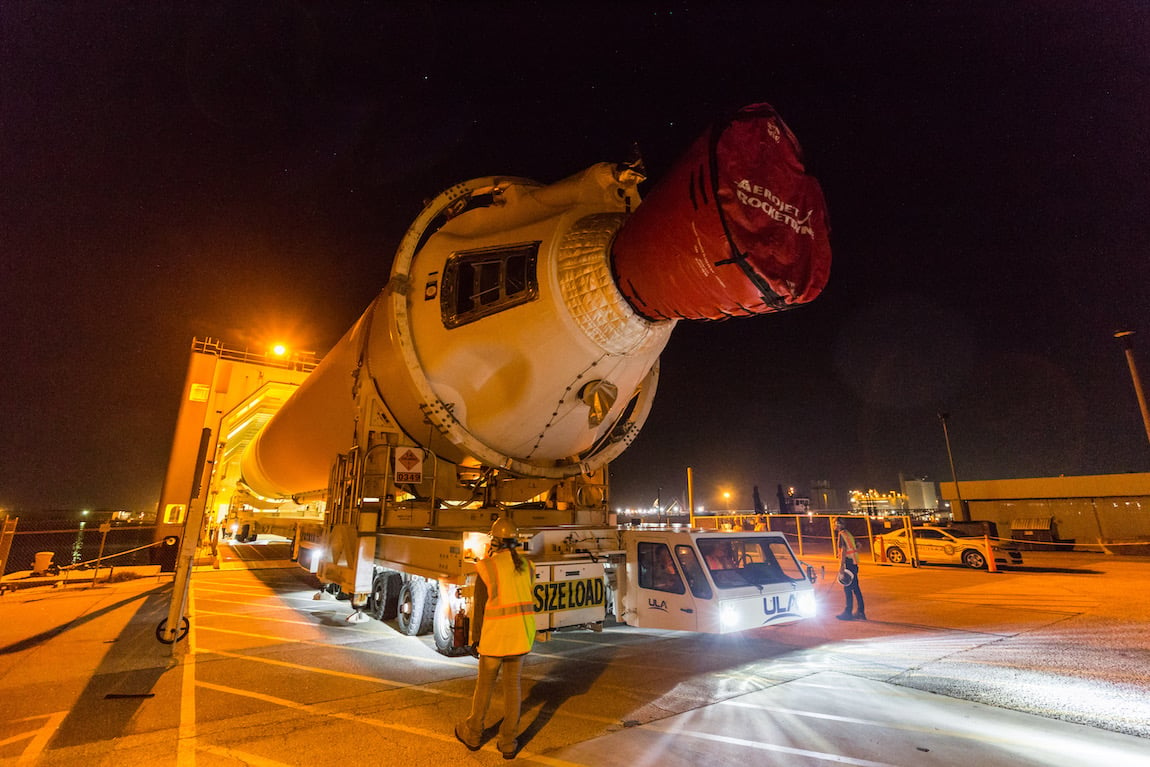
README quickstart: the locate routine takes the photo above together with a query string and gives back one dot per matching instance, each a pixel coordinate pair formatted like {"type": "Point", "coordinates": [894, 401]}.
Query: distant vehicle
{"type": "Point", "coordinates": [942, 546]}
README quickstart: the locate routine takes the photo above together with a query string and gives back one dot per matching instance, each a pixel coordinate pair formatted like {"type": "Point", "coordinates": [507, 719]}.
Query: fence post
{"type": "Point", "coordinates": [910, 540]}
{"type": "Point", "coordinates": [870, 540]}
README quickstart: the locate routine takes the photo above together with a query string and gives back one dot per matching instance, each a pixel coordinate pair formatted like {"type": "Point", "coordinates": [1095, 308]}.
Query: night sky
{"type": "Point", "coordinates": [245, 170]}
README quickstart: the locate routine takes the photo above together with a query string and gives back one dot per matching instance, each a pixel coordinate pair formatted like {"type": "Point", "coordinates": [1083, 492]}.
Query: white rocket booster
{"type": "Point", "coordinates": [522, 324]}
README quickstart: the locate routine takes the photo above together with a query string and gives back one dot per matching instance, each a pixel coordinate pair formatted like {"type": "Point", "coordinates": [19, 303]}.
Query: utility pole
{"type": "Point", "coordinates": [1127, 338]}
{"type": "Point", "coordinates": [963, 511]}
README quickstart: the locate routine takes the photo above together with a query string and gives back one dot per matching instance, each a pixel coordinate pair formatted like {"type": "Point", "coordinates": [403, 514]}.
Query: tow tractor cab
{"type": "Point", "coordinates": [712, 582]}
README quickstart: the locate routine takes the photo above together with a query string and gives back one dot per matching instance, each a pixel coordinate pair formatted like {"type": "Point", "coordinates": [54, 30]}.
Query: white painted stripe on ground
{"type": "Point", "coordinates": [250, 616]}
{"type": "Point", "coordinates": [242, 757]}
{"type": "Point", "coordinates": [332, 672]}
{"type": "Point", "coordinates": [418, 732]}
{"type": "Point", "coordinates": [185, 743]}
{"type": "Point", "coordinates": [757, 746]}
{"type": "Point", "coordinates": [352, 648]}
{"type": "Point", "coordinates": [40, 742]}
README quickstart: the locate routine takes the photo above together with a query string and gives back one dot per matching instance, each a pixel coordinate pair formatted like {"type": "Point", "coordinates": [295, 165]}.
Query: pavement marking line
{"type": "Point", "coordinates": [253, 597]}
{"type": "Point", "coordinates": [186, 740]}
{"type": "Point", "coordinates": [820, 755]}
{"type": "Point", "coordinates": [32, 733]}
{"type": "Point", "coordinates": [392, 683]}
{"type": "Point", "coordinates": [1054, 743]}
{"type": "Point", "coordinates": [1022, 599]}
{"type": "Point", "coordinates": [316, 710]}
{"type": "Point", "coordinates": [330, 672]}
{"type": "Point", "coordinates": [242, 757]}
{"type": "Point", "coordinates": [231, 592]}
{"type": "Point", "coordinates": [40, 737]}
{"type": "Point", "coordinates": [330, 645]}
{"type": "Point", "coordinates": [292, 597]}
{"type": "Point", "coordinates": [273, 620]}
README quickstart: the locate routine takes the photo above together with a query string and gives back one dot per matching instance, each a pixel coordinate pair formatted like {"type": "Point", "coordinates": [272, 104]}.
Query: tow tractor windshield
{"type": "Point", "coordinates": [741, 561]}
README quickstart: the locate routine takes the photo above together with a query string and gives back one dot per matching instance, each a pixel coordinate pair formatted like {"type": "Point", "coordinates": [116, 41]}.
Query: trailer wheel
{"type": "Point", "coordinates": [417, 598]}
{"type": "Point", "coordinates": [444, 629]}
{"type": "Point", "coordinates": [383, 601]}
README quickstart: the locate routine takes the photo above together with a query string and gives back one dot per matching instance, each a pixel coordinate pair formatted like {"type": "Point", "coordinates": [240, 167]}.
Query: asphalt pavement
{"type": "Point", "coordinates": [83, 679]}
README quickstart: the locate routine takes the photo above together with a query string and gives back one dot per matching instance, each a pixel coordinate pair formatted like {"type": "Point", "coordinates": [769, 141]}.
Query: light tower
{"type": "Point", "coordinates": [963, 511]}
{"type": "Point", "coordinates": [1127, 338]}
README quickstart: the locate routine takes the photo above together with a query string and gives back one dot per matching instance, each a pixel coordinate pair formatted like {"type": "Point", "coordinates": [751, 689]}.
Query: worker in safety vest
{"type": "Point", "coordinates": [506, 631]}
{"type": "Point", "coordinates": [849, 573]}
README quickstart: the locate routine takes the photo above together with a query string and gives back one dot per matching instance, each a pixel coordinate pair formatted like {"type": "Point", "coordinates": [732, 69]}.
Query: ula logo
{"type": "Point", "coordinates": [657, 604]}
{"type": "Point", "coordinates": [774, 609]}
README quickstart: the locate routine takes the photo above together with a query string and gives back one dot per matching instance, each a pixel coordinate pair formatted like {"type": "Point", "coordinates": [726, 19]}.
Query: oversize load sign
{"type": "Point", "coordinates": [569, 595]}
{"type": "Point", "coordinates": [408, 464]}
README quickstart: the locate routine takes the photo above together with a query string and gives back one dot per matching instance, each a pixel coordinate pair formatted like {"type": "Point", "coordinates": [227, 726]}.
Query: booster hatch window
{"type": "Point", "coordinates": [479, 283]}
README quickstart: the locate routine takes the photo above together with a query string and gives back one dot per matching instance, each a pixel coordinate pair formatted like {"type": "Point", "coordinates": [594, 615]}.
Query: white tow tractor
{"type": "Point", "coordinates": [713, 582]}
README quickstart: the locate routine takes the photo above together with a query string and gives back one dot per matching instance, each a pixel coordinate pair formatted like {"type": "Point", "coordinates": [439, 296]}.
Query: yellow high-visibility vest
{"type": "Point", "coordinates": [849, 547]}
{"type": "Point", "coordinates": [509, 616]}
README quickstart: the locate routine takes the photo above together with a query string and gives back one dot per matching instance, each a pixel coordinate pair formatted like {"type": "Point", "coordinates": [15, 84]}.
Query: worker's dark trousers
{"type": "Point", "coordinates": [853, 591]}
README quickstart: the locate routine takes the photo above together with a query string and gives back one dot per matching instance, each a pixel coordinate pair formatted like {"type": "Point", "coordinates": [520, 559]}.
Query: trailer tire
{"type": "Point", "coordinates": [417, 598]}
{"type": "Point", "coordinates": [383, 601]}
{"type": "Point", "coordinates": [444, 629]}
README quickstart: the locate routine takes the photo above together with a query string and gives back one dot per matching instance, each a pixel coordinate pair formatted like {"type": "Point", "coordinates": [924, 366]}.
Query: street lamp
{"type": "Point", "coordinates": [963, 511]}
{"type": "Point", "coordinates": [1127, 338]}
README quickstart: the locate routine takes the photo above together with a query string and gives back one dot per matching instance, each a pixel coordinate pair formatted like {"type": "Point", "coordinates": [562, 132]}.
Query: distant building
{"type": "Point", "coordinates": [823, 496]}
{"type": "Point", "coordinates": [874, 503]}
{"type": "Point", "coordinates": [920, 493]}
{"type": "Point", "coordinates": [1111, 510]}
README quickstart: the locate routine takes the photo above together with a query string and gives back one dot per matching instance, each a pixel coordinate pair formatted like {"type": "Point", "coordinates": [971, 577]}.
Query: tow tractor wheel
{"type": "Point", "coordinates": [444, 629]}
{"type": "Point", "coordinates": [417, 598]}
{"type": "Point", "coordinates": [895, 556]}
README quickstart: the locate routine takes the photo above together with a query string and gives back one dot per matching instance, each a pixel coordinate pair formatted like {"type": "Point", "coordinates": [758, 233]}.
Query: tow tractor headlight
{"type": "Point", "coordinates": [807, 604]}
{"type": "Point", "coordinates": [728, 616]}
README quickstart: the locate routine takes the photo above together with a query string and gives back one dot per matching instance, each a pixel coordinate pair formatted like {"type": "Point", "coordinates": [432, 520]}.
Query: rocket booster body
{"type": "Point", "coordinates": [522, 324]}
